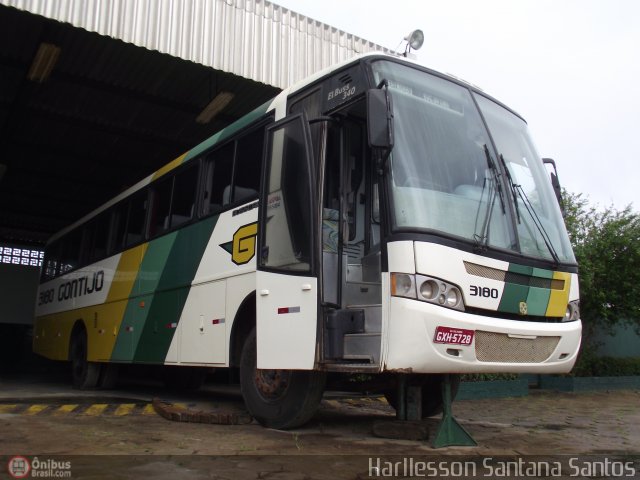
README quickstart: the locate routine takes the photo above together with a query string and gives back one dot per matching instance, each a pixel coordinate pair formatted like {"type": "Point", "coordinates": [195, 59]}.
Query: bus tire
{"type": "Point", "coordinates": [281, 399]}
{"type": "Point", "coordinates": [432, 401]}
{"type": "Point", "coordinates": [84, 374]}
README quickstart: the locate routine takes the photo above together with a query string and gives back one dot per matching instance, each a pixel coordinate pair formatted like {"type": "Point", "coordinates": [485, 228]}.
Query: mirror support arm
{"type": "Point", "coordinates": [555, 183]}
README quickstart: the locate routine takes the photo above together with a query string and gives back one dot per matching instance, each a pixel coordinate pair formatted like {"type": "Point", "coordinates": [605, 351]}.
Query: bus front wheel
{"type": "Point", "coordinates": [84, 374]}
{"type": "Point", "coordinates": [279, 399]}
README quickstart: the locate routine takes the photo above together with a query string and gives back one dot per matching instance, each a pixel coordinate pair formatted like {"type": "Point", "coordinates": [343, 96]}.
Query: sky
{"type": "Point", "coordinates": [571, 68]}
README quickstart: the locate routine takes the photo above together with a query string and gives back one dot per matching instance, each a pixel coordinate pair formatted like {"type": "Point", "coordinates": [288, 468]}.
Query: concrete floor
{"type": "Point", "coordinates": [117, 442]}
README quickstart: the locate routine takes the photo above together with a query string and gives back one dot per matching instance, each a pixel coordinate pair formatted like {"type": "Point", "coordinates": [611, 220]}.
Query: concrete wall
{"type": "Point", "coordinates": [624, 342]}
{"type": "Point", "coordinates": [18, 288]}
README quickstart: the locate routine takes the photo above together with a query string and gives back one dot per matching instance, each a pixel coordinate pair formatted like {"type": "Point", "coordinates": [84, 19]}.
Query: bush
{"type": "Point", "coordinates": [594, 366]}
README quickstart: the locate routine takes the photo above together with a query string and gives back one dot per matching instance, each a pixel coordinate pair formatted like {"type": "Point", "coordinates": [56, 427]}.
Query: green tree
{"type": "Point", "coordinates": [607, 246]}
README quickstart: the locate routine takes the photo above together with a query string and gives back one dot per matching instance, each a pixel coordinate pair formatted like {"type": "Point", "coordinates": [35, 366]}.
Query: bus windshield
{"type": "Point", "coordinates": [533, 195]}
{"type": "Point", "coordinates": [445, 175]}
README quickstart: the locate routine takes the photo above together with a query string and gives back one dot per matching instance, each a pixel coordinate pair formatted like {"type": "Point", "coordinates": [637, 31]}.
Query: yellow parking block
{"type": "Point", "coordinates": [117, 409]}
{"type": "Point", "coordinates": [7, 408]}
{"type": "Point", "coordinates": [96, 409]}
{"type": "Point", "coordinates": [63, 409]}
{"type": "Point", "coordinates": [124, 409]}
{"type": "Point", "coordinates": [333, 403]}
{"type": "Point", "coordinates": [34, 409]}
{"type": "Point", "coordinates": [148, 410]}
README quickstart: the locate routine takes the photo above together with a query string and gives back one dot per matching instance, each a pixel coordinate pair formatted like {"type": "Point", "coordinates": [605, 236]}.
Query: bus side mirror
{"type": "Point", "coordinates": [379, 119]}
{"type": "Point", "coordinates": [555, 183]}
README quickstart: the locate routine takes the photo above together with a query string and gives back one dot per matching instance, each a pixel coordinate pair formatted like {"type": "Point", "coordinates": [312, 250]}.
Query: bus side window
{"type": "Point", "coordinates": [218, 177]}
{"type": "Point", "coordinates": [160, 206]}
{"type": "Point", "coordinates": [119, 226]}
{"type": "Point", "coordinates": [248, 165]}
{"type": "Point", "coordinates": [184, 196]}
{"type": "Point", "coordinates": [70, 255]}
{"type": "Point", "coordinates": [100, 237]}
{"type": "Point", "coordinates": [137, 215]}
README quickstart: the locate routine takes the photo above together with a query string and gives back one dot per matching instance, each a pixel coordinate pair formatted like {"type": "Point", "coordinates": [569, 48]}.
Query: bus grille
{"type": "Point", "coordinates": [499, 347]}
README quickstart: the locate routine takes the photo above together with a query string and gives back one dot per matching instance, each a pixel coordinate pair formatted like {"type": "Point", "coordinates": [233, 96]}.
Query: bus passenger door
{"type": "Point", "coordinates": [287, 283]}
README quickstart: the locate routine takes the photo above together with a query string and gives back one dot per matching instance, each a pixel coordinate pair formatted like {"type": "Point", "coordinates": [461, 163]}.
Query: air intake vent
{"type": "Point", "coordinates": [500, 347]}
{"type": "Point", "coordinates": [512, 277]}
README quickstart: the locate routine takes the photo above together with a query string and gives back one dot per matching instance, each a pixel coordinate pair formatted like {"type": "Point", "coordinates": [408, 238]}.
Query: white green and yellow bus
{"type": "Point", "coordinates": [379, 218]}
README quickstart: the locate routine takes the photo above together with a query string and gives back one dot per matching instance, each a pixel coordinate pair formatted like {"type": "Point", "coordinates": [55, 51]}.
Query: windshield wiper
{"type": "Point", "coordinates": [512, 185]}
{"type": "Point", "coordinates": [518, 191]}
{"type": "Point", "coordinates": [496, 175]}
{"type": "Point", "coordinates": [482, 239]}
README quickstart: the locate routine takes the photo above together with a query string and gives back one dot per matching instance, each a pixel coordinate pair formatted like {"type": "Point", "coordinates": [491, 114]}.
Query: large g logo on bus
{"type": "Point", "coordinates": [244, 244]}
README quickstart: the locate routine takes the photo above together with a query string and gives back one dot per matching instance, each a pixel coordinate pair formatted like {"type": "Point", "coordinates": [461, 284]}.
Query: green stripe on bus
{"type": "Point", "coordinates": [542, 273]}
{"type": "Point", "coordinates": [229, 131]}
{"type": "Point", "coordinates": [513, 293]}
{"type": "Point", "coordinates": [538, 298]}
{"type": "Point", "coordinates": [173, 288]}
{"type": "Point", "coordinates": [140, 302]}
{"type": "Point", "coordinates": [537, 301]}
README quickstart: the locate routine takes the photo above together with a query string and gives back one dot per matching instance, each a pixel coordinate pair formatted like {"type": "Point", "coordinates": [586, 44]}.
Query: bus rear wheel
{"type": "Point", "coordinates": [281, 399]}
{"type": "Point", "coordinates": [432, 401]}
{"type": "Point", "coordinates": [84, 374]}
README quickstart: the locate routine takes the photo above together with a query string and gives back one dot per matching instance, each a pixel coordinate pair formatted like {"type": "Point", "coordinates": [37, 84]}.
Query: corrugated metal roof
{"type": "Point", "coordinates": [109, 114]}
{"type": "Point", "coordinates": [256, 39]}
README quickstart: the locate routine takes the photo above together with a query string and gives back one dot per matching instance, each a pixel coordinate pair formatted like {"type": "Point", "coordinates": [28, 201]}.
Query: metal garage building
{"type": "Point", "coordinates": [96, 94]}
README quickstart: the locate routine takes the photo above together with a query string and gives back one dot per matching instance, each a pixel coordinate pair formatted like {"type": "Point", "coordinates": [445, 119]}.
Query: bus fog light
{"type": "Point", "coordinates": [573, 311]}
{"type": "Point", "coordinates": [442, 299]}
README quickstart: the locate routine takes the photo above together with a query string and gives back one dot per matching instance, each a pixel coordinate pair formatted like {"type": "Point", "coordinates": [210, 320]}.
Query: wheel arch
{"type": "Point", "coordinates": [78, 328]}
{"type": "Point", "coordinates": [243, 322]}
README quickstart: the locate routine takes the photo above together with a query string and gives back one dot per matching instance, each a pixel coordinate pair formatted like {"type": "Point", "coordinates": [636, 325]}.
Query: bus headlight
{"type": "Point", "coordinates": [427, 289]}
{"type": "Point", "coordinates": [403, 285]}
{"type": "Point", "coordinates": [573, 311]}
{"type": "Point", "coordinates": [453, 297]}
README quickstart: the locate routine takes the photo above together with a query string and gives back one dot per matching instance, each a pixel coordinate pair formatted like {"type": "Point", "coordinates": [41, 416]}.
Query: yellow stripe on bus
{"type": "Point", "coordinates": [102, 322]}
{"type": "Point", "coordinates": [169, 166]}
{"type": "Point", "coordinates": [102, 339]}
{"type": "Point", "coordinates": [7, 408]}
{"type": "Point", "coordinates": [559, 299]}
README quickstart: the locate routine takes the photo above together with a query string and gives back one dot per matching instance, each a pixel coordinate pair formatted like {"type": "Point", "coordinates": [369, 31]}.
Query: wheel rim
{"type": "Point", "coordinates": [272, 384]}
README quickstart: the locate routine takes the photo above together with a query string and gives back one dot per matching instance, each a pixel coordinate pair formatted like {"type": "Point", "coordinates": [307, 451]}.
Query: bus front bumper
{"type": "Point", "coordinates": [496, 345]}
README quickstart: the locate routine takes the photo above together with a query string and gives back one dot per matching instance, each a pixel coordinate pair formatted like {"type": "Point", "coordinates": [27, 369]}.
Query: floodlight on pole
{"type": "Point", "coordinates": [414, 40]}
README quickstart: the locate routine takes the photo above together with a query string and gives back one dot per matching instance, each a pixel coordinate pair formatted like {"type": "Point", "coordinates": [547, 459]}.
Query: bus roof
{"type": "Point", "coordinates": [277, 105]}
